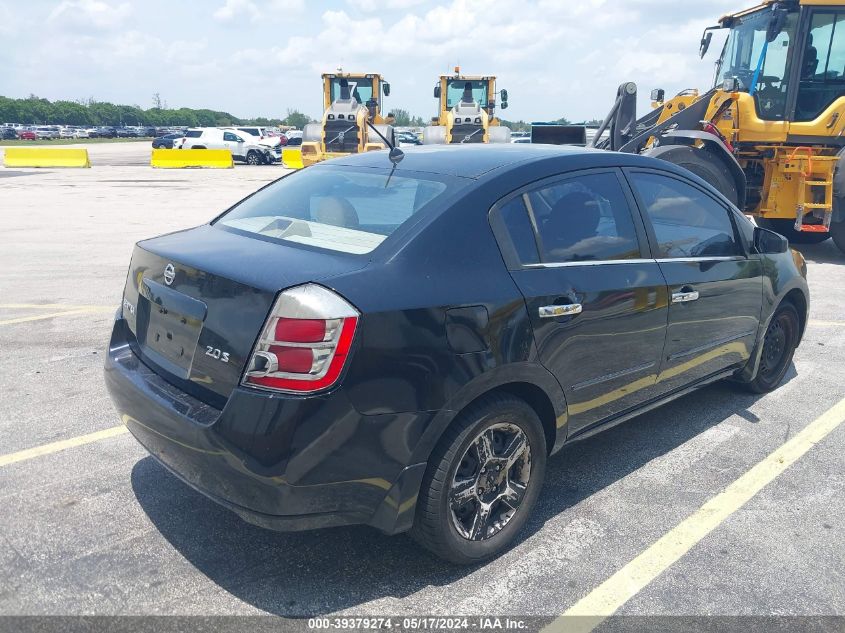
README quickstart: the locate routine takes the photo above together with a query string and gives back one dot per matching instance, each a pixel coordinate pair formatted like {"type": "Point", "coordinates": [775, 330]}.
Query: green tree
{"type": "Point", "coordinates": [296, 119]}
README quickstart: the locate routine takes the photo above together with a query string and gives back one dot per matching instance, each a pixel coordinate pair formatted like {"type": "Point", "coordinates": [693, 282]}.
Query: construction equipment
{"type": "Point", "coordinates": [770, 133]}
{"type": "Point", "coordinates": [467, 111]}
{"type": "Point", "coordinates": [350, 102]}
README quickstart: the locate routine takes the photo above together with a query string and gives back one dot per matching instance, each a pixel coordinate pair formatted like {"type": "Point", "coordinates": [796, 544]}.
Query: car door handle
{"type": "Point", "coordinates": [555, 311]}
{"type": "Point", "coordinates": [684, 296]}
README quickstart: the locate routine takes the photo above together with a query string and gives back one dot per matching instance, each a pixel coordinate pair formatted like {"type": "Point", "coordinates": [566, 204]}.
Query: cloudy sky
{"type": "Point", "coordinates": [261, 57]}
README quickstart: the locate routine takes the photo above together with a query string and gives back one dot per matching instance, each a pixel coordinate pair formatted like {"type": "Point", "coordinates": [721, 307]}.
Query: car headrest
{"type": "Point", "coordinates": [575, 216]}
{"type": "Point", "coordinates": [335, 211]}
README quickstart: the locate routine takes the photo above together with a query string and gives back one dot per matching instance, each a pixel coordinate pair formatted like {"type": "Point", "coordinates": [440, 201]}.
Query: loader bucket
{"type": "Point", "coordinates": [292, 158]}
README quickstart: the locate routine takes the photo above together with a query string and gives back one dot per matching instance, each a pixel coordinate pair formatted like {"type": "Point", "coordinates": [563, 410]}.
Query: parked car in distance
{"type": "Point", "coordinates": [244, 147]}
{"type": "Point", "coordinates": [294, 141]}
{"type": "Point", "coordinates": [106, 132]}
{"type": "Point", "coordinates": [406, 138]}
{"type": "Point", "coordinates": [47, 132]}
{"type": "Point", "coordinates": [307, 343]}
{"type": "Point", "coordinates": [8, 133]}
{"type": "Point", "coordinates": [166, 141]}
{"type": "Point", "coordinates": [27, 135]}
{"type": "Point", "coordinates": [261, 133]}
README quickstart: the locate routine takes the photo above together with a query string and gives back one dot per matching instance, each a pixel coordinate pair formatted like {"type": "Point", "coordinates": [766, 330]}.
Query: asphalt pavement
{"type": "Point", "coordinates": [100, 528]}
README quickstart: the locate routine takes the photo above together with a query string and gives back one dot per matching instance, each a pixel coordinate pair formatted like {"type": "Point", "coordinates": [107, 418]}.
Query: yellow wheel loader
{"type": "Point", "coordinates": [352, 103]}
{"type": "Point", "coordinates": [771, 132]}
{"type": "Point", "coordinates": [467, 111]}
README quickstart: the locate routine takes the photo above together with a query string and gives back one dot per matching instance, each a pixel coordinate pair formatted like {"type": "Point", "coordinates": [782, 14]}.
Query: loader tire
{"type": "Point", "coordinates": [312, 133]}
{"type": "Point", "coordinates": [837, 232]}
{"type": "Point", "coordinates": [387, 131]}
{"type": "Point", "coordinates": [786, 228]}
{"type": "Point", "coordinates": [498, 134]}
{"type": "Point", "coordinates": [702, 163]}
{"type": "Point", "coordinates": [434, 135]}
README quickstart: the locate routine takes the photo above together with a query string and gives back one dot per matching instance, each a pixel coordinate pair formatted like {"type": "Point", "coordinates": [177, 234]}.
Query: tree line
{"type": "Point", "coordinates": [35, 110]}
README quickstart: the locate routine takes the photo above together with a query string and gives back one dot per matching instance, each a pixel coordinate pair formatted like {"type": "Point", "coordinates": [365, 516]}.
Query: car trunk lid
{"type": "Point", "coordinates": [196, 301]}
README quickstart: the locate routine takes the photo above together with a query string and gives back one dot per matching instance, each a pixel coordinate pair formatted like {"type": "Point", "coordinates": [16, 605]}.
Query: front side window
{"type": "Point", "coordinates": [746, 50]}
{"type": "Point", "coordinates": [340, 209]}
{"type": "Point", "coordinates": [687, 222]}
{"type": "Point", "coordinates": [458, 89]}
{"type": "Point", "coordinates": [228, 136]}
{"type": "Point", "coordinates": [823, 65]}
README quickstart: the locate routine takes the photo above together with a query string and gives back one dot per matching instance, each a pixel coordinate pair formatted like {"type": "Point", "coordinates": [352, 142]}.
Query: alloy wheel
{"type": "Point", "coordinates": [490, 482]}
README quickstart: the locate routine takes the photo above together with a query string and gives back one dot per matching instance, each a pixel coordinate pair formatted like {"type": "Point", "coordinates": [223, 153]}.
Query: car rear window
{"type": "Point", "coordinates": [337, 208]}
{"type": "Point", "coordinates": [193, 133]}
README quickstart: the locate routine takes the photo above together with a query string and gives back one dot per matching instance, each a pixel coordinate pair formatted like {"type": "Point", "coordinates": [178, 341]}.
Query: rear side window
{"type": "Point", "coordinates": [519, 231]}
{"type": "Point", "coordinates": [687, 222]}
{"type": "Point", "coordinates": [193, 133]}
{"type": "Point", "coordinates": [337, 208]}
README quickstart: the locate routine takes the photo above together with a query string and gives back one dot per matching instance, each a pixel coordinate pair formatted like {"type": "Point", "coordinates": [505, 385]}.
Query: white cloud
{"type": "Point", "coordinates": [254, 10]}
{"type": "Point", "coordinates": [368, 6]}
{"type": "Point", "coordinates": [85, 15]}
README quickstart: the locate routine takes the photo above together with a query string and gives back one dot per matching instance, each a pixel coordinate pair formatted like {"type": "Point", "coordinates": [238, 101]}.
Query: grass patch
{"type": "Point", "coordinates": [73, 141]}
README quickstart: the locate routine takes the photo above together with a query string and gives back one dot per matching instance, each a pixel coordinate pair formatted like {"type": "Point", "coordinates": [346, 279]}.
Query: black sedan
{"type": "Point", "coordinates": [166, 141]}
{"type": "Point", "coordinates": [405, 347]}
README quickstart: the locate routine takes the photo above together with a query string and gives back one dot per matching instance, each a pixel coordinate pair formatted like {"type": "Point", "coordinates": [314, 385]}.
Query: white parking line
{"type": "Point", "coordinates": [608, 597]}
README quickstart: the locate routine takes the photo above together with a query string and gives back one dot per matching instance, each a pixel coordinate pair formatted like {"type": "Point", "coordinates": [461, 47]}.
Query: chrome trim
{"type": "Point", "coordinates": [684, 297]}
{"type": "Point", "coordinates": [659, 260]}
{"type": "Point", "coordinates": [591, 262]}
{"type": "Point", "coordinates": [555, 311]}
{"type": "Point", "coordinates": [724, 258]}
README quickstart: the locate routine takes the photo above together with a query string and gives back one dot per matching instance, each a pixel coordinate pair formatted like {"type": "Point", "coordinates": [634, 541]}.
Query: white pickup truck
{"type": "Point", "coordinates": [244, 147]}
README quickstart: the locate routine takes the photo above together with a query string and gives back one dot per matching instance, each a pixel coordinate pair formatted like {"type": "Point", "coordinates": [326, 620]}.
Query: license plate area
{"type": "Point", "coordinates": [169, 327]}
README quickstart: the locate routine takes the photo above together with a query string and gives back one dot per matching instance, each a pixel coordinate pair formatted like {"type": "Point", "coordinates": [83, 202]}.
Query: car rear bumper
{"type": "Point", "coordinates": [280, 462]}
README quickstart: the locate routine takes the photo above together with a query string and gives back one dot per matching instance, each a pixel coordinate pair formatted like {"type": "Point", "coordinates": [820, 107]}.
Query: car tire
{"type": "Point", "coordinates": [779, 343]}
{"type": "Point", "coordinates": [457, 532]}
{"type": "Point", "coordinates": [253, 158]}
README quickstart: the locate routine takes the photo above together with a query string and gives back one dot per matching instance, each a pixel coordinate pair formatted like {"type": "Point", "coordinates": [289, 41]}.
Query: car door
{"type": "Point", "coordinates": [576, 248]}
{"type": "Point", "coordinates": [715, 283]}
{"type": "Point", "coordinates": [234, 144]}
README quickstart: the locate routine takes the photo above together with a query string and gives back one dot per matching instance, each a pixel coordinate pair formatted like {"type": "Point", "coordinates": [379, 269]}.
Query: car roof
{"type": "Point", "coordinates": [476, 160]}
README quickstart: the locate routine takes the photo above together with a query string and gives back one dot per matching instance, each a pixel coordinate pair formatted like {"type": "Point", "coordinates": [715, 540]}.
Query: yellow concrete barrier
{"type": "Point", "coordinates": [45, 157]}
{"type": "Point", "coordinates": [178, 158]}
{"type": "Point", "coordinates": [292, 158]}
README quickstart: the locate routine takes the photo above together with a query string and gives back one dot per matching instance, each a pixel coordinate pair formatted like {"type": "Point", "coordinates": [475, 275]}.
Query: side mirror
{"type": "Point", "coordinates": [731, 84]}
{"type": "Point", "coordinates": [386, 89]}
{"type": "Point", "coordinates": [504, 105]}
{"type": "Point", "coordinates": [504, 94]}
{"type": "Point", "coordinates": [658, 95]}
{"type": "Point", "coordinates": [769, 242]}
{"type": "Point", "coordinates": [705, 43]}
{"type": "Point", "coordinates": [437, 91]}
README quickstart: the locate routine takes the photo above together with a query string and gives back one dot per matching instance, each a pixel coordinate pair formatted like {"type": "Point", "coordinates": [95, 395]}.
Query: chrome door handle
{"type": "Point", "coordinates": [683, 297]}
{"type": "Point", "coordinates": [551, 312]}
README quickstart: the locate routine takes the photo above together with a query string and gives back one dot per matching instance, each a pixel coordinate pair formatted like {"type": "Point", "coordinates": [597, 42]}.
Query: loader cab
{"type": "Point", "coordinates": [454, 90]}
{"type": "Point", "coordinates": [789, 56]}
{"type": "Point", "coordinates": [367, 89]}
{"type": "Point", "coordinates": [758, 54]}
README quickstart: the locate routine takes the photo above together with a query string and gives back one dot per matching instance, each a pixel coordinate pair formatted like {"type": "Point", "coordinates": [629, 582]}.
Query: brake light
{"type": "Point", "coordinates": [304, 345]}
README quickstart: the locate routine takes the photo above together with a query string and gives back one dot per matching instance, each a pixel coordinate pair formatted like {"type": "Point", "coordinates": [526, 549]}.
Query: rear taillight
{"type": "Point", "coordinates": [305, 342]}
